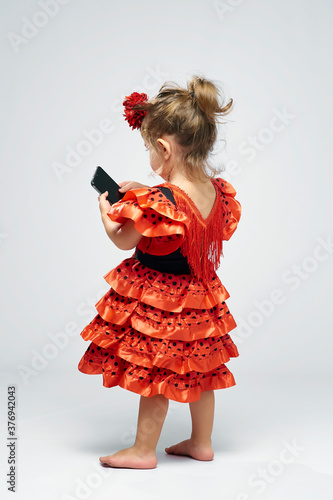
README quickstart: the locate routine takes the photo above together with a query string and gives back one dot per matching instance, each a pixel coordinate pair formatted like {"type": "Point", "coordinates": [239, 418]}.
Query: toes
{"type": "Point", "coordinates": [105, 460]}
{"type": "Point", "coordinates": [109, 462]}
{"type": "Point", "coordinates": [175, 450]}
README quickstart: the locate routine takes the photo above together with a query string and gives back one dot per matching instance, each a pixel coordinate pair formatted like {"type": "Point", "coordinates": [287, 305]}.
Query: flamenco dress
{"type": "Point", "coordinates": [163, 326]}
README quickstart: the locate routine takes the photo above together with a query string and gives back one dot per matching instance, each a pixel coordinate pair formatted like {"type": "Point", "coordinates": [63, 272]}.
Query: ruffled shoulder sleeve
{"type": "Point", "coordinates": [156, 218]}
{"type": "Point", "coordinates": [231, 207]}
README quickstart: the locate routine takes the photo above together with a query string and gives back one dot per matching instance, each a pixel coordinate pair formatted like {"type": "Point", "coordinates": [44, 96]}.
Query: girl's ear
{"type": "Point", "coordinates": [165, 148]}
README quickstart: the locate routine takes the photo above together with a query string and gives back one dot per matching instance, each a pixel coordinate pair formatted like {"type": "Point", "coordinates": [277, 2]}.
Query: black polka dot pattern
{"type": "Point", "coordinates": [232, 208]}
{"type": "Point", "coordinates": [156, 218]}
{"type": "Point", "coordinates": [145, 379]}
{"type": "Point", "coordinates": [151, 351]}
{"type": "Point", "coordinates": [133, 279]}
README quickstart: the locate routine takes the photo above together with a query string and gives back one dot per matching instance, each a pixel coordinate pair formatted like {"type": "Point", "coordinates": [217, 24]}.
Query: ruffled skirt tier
{"type": "Point", "coordinates": [158, 333]}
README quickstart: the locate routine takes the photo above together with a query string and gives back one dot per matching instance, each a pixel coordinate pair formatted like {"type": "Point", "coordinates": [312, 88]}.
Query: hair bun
{"type": "Point", "coordinates": [207, 95]}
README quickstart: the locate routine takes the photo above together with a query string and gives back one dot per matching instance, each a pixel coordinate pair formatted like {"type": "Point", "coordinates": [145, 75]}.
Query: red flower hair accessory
{"type": "Point", "coordinates": [134, 116]}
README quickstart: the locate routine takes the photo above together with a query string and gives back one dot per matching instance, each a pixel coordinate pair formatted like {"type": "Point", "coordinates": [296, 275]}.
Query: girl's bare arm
{"type": "Point", "coordinates": [124, 236]}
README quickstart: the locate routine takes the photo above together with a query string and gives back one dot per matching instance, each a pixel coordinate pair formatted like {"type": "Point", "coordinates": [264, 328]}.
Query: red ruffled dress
{"type": "Point", "coordinates": [163, 328]}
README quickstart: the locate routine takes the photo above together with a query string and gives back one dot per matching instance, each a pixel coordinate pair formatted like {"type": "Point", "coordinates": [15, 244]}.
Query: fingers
{"type": "Point", "coordinates": [125, 185]}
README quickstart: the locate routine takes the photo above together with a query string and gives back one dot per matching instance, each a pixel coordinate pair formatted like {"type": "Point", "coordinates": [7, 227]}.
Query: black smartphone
{"type": "Point", "coordinates": [102, 182]}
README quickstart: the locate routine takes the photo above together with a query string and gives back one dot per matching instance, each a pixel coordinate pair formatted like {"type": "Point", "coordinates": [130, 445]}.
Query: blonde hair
{"type": "Point", "coordinates": [192, 116]}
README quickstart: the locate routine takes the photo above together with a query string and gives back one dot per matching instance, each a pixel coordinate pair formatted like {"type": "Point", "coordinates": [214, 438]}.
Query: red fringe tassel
{"type": "Point", "coordinates": [202, 245]}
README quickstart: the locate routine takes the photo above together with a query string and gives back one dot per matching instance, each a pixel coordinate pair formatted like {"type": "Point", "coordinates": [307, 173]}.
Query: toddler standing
{"type": "Point", "coordinates": [162, 329]}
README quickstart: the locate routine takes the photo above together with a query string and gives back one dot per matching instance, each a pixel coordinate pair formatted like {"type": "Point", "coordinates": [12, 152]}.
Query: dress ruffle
{"type": "Point", "coordinates": [232, 206]}
{"type": "Point", "coordinates": [162, 225]}
{"type": "Point", "coordinates": [148, 382]}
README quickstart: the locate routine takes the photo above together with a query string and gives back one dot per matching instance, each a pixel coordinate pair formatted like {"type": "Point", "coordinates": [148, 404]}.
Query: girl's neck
{"type": "Point", "coordinates": [177, 178]}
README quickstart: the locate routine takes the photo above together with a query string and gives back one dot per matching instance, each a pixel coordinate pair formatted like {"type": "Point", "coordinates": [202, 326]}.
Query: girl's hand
{"type": "Point", "coordinates": [127, 185]}
{"type": "Point", "coordinates": [104, 204]}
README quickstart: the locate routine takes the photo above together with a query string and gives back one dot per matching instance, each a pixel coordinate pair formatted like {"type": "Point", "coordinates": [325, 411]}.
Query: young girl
{"type": "Point", "coordinates": [162, 329]}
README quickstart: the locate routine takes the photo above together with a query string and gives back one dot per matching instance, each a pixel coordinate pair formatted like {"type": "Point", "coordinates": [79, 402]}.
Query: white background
{"type": "Point", "coordinates": [66, 68]}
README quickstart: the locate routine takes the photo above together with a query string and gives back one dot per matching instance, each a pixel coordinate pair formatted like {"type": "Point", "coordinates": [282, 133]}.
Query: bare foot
{"type": "Point", "coordinates": [130, 458]}
{"type": "Point", "coordinates": [188, 448]}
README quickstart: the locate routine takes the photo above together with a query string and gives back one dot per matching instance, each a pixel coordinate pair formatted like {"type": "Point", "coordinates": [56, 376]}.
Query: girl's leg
{"type": "Point", "coordinates": [142, 455]}
{"type": "Point", "coordinates": [199, 444]}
